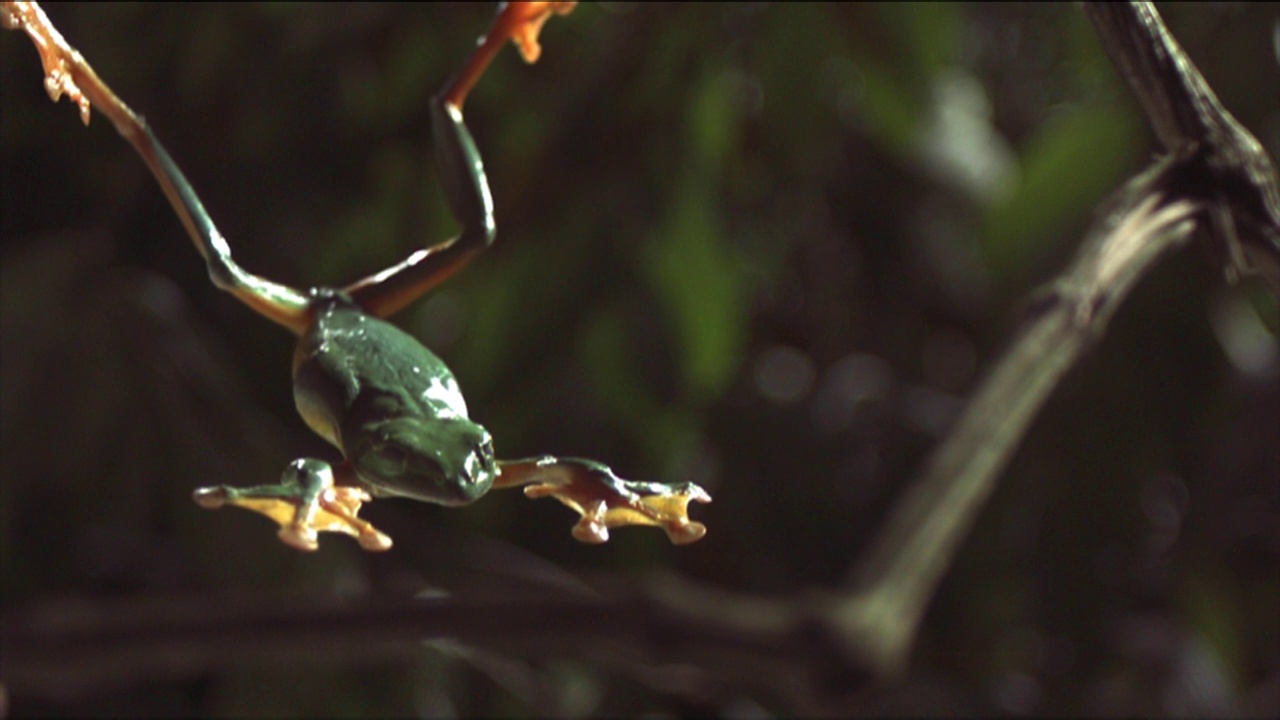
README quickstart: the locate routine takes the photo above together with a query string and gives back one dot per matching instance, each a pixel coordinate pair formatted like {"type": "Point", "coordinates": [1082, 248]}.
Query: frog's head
{"type": "Point", "coordinates": [448, 461]}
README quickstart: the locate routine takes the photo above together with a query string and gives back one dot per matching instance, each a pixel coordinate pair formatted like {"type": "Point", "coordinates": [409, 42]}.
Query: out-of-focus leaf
{"type": "Point", "coordinates": [687, 262]}
{"type": "Point", "coordinates": [712, 127]}
{"type": "Point", "coordinates": [701, 284]}
{"type": "Point", "coordinates": [959, 144]}
{"type": "Point", "coordinates": [1214, 611]}
{"type": "Point", "coordinates": [890, 112]}
{"type": "Point", "coordinates": [693, 277]}
{"type": "Point", "coordinates": [1067, 167]}
{"type": "Point", "coordinates": [927, 32]}
{"type": "Point", "coordinates": [891, 100]}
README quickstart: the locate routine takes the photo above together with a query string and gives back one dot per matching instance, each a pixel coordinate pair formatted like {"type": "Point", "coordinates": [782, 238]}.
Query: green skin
{"type": "Point", "coordinates": [392, 407]}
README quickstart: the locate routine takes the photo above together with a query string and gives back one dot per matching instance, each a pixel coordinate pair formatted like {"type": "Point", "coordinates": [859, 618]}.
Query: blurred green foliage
{"type": "Point", "coordinates": [765, 247]}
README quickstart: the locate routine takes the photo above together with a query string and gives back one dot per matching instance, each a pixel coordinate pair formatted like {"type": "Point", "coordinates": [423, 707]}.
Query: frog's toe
{"type": "Point", "coordinates": [374, 540]}
{"type": "Point", "coordinates": [299, 537]}
{"type": "Point", "coordinates": [337, 510]}
{"type": "Point", "coordinates": [670, 511]}
{"type": "Point", "coordinates": [210, 498]}
{"type": "Point", "coordinates": [591, 527]}
{"type": "Point", "coordinates": [683, 531]}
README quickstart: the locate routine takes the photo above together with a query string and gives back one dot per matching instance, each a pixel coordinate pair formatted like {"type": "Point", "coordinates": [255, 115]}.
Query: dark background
{"type": "Point", "coordinates": [769, 249]}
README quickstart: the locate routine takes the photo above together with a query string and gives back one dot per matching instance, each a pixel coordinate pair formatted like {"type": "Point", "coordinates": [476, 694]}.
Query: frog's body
{"type": "Point", "coordinates": [389, 404]}
{"type": "Point", "coordinates": [385, 400]}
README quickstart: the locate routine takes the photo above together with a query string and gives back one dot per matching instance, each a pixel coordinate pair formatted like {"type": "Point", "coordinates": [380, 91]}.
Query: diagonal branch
{"type": "Point", "coordinates": [1214, 169]}
{"type": "Point", "coordinates": [896, 579]}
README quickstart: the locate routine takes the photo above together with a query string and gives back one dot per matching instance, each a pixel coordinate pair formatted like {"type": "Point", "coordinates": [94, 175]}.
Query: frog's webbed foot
{"type": "Point", "coordinates": [605, 500]}
{"type": "Point", "coordinates": [304, 503]}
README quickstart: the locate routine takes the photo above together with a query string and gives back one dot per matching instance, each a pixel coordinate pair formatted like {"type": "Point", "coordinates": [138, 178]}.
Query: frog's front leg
{"type": "Point", "coordinates": [304, 503]}
{"type": "Point", "coordinates": [605, 500]}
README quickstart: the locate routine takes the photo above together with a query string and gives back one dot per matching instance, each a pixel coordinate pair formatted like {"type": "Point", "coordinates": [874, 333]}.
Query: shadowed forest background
{"type": "Point", "coordinates": [766, 248]}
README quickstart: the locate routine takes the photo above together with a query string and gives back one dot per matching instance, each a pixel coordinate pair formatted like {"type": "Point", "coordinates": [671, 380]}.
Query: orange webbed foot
{"type": "Point", "coordinates": [605, 500]}
{"type": "Point", "coordinates": [305, 503]}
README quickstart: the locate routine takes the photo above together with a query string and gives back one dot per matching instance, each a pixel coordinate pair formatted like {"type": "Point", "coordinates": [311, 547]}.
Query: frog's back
{"type": "Point", "coordinates": [351, 365]}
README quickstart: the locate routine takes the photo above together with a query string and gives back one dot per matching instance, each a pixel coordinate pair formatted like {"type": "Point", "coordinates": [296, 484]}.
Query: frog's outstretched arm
{"type": "Point", "coordinates": [66, 71]}
{"type": "Point", "coordinates": [605, 500]}
{"type": "Point", "coordinates": [461, 170]}
{"type": "Point", "coordinates": [305, 502]}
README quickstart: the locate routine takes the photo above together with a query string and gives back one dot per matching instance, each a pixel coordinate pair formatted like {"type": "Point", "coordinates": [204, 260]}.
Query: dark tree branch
{"type": "Point", "coordinates": [896, 579]}
{"type": "Point", "coordinates": [1214, 170]}
{"type": "Point", "coordinates": [681, 638]}
{"type": "Point", "coordinates": [1238, 178]}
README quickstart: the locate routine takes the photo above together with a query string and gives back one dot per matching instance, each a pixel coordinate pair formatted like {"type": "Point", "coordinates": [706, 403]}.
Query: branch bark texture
{"type": "Point", "coordinates": [1237, 176]}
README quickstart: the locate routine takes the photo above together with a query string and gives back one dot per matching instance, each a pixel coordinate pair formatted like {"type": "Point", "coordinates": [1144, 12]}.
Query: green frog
{"type": "Point", "coordinates": [386, 402]}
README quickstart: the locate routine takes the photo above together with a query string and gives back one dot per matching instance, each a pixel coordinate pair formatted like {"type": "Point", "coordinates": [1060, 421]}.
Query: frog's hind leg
{"type": "Point", "coordinates": [66, 71]}
{"type": "Point", "coordinates": [279, 303]}
{"type": "Point", "coordinates": [304, 503]}
{"type": "Point", "coordinates": [461, 170]}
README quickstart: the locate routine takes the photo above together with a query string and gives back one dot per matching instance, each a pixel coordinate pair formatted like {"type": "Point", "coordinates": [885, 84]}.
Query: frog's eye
{"type": "Point", "coordinates": [389, 460]}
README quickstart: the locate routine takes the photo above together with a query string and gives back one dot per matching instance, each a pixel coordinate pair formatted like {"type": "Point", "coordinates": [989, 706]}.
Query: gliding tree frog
{"type": "Point", "coordinates": [385, 401]}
